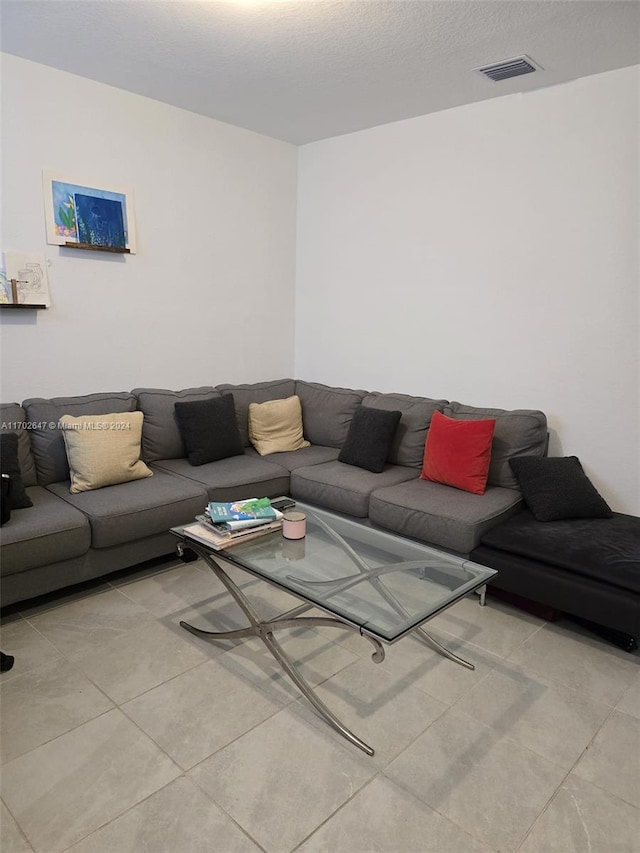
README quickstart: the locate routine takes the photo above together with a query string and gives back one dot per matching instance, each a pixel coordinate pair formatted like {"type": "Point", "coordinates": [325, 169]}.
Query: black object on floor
{"type": "Point", "coordinates": [624, 641]}
{"type": "Point", "coordinates": [6, 662]}
{"type": "Point", "coordinates": [185, 554]}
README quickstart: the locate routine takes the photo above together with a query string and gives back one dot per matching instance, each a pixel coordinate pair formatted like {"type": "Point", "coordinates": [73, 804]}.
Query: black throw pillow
{"type": "Point", "coordinates": [209, 429]}
{"type": "Point", "coordinates": [18, 498]}
{"type": "Point", "coordinates": [369, 438]}
{"type": "Point", "coordinates": [556, 488]}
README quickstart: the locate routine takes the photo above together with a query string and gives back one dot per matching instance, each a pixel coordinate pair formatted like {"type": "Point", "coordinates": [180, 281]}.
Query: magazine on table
{"type": "Point", "coordinates": [224, 532]}
{"type": "Point", "coordinates": [206, 534]}
{"type": "Point", "coordinates": [237, 515]}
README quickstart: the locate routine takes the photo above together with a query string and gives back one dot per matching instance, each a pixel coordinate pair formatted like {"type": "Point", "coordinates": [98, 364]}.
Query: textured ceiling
{"type": "Point", "coordinates": [307, 70]}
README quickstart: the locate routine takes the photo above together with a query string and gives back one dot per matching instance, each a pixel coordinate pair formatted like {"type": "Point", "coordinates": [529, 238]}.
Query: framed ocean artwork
{"type": "Point", "coordinates": [84, 215]}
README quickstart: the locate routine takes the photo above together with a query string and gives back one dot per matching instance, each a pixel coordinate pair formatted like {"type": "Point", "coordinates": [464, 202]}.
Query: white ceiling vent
{"type": "Point", "coordinates": [508, 68]}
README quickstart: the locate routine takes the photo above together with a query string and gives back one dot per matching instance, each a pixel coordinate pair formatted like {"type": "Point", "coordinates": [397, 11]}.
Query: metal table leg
{"type": "Point", "coordinates": [264, 630]}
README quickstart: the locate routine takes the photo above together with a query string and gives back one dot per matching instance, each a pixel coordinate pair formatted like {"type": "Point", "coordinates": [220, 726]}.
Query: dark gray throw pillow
{"type": "Point", "coordinates": [18, 498]}
{"type": "Point", "coordinates": [556, 488]}
{"type": "Point", "coordinates": [369, 438]}
{"type": "Point", "coordinates": [209, 429]}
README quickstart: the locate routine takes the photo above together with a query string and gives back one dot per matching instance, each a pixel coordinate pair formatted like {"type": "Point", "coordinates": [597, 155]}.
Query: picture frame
{"type": "Point", "coordinates": [88, 214]}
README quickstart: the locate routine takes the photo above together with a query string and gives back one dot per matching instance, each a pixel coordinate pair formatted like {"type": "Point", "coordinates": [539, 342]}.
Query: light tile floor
{"type": "Point", "coordinates": [123, 733]}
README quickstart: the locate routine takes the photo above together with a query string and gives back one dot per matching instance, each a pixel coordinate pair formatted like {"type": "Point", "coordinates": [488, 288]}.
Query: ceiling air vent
{"type": "Point", "coordinates": [508, 68]}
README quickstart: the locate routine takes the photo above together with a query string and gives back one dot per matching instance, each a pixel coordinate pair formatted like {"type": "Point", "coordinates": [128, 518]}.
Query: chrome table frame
{"type": "Point", "coordinates": [264, 629]}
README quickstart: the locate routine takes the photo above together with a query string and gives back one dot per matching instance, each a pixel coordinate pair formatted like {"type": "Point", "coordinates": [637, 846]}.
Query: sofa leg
{"type": "Point", "coordinates": [185, 554]}
{"type": "Point", "coordinates": [624, 641]}
{"type": "Point", "coordinates": [482, 593]}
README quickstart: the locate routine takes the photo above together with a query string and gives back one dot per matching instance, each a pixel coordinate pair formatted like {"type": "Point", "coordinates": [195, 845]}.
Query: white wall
{"type": "Point", "coordinates": [209, 296]}
{"type": "Point", "coordinates": [487, 254]}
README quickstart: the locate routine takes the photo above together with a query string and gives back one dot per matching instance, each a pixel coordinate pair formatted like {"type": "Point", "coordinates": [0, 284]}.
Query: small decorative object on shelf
{"type": "Point", "coordinates": [15, 297]}
{"type": "Point", "coordinates": [14, 289]}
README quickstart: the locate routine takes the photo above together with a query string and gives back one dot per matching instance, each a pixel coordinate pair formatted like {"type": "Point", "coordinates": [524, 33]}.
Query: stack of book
{"type": "Point", "coordinates": [225, 524]}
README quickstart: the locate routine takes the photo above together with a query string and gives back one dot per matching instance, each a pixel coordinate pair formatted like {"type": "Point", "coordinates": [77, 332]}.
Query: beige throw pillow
{"type": "Point", "coordinates": [276, 426]}
{"type": "Point", "coordinates": [103, 450]}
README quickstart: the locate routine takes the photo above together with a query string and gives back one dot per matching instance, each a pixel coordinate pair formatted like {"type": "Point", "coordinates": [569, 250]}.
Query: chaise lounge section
{"type": "Point", "coordinates": [586, 567]}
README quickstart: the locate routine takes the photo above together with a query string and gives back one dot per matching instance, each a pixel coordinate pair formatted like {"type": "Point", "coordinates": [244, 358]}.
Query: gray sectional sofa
{"type": "Point", "coordinates": [68, 538]}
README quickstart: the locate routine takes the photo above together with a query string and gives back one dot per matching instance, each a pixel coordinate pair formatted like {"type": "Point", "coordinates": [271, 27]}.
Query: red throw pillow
{"type": "Point", "coordinates": [458, 453]}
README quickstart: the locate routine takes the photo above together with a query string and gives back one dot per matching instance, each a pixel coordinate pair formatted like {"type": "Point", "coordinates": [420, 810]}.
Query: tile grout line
{"type": "Point", "coordinates": [515, 742]}
{"type": "Point", "coordinates": [20, 829]}
{"type": "Point", "coordinates": [612, 710]}
{"type": "Point", "coordinates": [134, 806]}
{"type": "Point", "coordinates": [219, 805]}
{"type": "Point", "coordinates": [336, 812]}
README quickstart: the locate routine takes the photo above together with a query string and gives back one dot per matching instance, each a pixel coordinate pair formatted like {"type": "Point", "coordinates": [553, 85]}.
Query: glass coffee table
{"type": "Point", "coordinates": [364, 579]}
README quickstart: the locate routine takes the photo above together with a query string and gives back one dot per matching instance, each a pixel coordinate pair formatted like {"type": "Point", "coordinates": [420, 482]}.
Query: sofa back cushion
{"type": "Point", "coordinates": [557, 488]}
{"type": "Point", "coordinates": [47, 442]}
{"type": "Point", "coordinates": [369, 438]}
{"type": "Point", "coordinates": [161, 437]}
{"type": "Point", "coordinates": [256, 392]}
{"type": "Point", "coordinates": [520, 432]}
{"type": "Point", "coordinates": [327, 412]}
{"type": "Point", "coordinates": [14, 419]}
{"type": "Point", "coordinates": [13, 493]}
{"type": "Point", "coordinates": [410, 437]}
{"type": "Point", "coordinates": [209, 429]}
{"type": "Point", "coordinates": [103, 450]}
{"type": "Point", "coordinates": [276, 426]}
{"type": "Point", "coordinates": [458, 453]}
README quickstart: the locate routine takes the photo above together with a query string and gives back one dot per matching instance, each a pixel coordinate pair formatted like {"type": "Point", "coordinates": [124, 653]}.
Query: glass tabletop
{"type": "Point", "coordinates": [382, 583]}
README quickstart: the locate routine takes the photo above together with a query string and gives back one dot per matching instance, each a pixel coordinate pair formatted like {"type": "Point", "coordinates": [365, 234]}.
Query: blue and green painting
{"type": "Point", "coordinates": [89, 215]}
{"type": "Point", "coordinates": [99, 221]}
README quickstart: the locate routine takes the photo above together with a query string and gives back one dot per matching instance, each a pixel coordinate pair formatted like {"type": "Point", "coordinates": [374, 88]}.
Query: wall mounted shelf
{"type": "Point", "coordinates": [14, 297]}
{"type": "Point", "coordinates": [92, 248]}
{"type": "Point", "coordinates": [14, 305]}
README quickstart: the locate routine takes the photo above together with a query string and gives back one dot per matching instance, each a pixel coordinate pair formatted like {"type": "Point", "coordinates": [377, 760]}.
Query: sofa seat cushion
{"type": "Point", "coordinates": [50, 531]}
{"type": "Point", "coordinates": [605, 549]}
{"type": "Point", "coordinates": [135, 510]}
{"type": "Point", "coordinates": [441, 515]}
{"type": "Point", "coordinates": [343, 487]}
{"type": "Point", "coordinates": [247, 476]}
{"type": "Point", "coordinates": [315, 454]}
